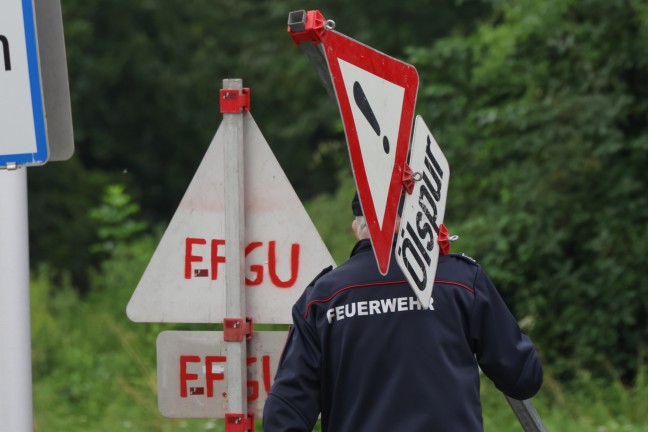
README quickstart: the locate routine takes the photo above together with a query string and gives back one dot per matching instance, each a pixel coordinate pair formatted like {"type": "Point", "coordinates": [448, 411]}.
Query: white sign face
{"type": "Point", "coordinates": [23, 137]}
{"type": "Point", "coordinates": [376, 94]}
{"type": "Point", "coordinates": [185, 279]}
{"type": "Point", "coordinates": [192, 372]}
{"type": "Point", "coordinates": [376, 108]}
{"type": "Point", "coordinates": [417, 248]}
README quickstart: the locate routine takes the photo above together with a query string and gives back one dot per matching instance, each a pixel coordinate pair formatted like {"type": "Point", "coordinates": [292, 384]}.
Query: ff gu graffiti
{"type": "Point", "coordinates": [213, 368]}
{"type": "Point", "coordinates": [204, 257]}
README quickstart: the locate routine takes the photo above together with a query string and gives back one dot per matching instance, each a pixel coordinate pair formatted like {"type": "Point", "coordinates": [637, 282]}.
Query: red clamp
{"type": "Point", "coordinates": [235, 422]}
{"type": "Point", "coordinates": [313, 27]}
{"type": "Point", "coordinates": [235, 329]}
{"type": "Point", "coordinates": [233, 102]}
{"type": "Point", "coordinates": [443, 240]}
{"type": "Point", "coordinates": [408, 179]}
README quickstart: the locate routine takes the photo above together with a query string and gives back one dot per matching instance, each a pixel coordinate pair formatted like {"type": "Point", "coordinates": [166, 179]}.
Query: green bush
{"type": "Point", "coordinates": [542, 114]}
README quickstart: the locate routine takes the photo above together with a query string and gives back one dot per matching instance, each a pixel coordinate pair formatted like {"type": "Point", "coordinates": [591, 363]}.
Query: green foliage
{"type": "Point", "coordinates": [93, 369]}
{"type": "Point", "coordinates": [587, 404]}
{"type": "Point", "coordinates": [331, 214]}
{"type": "Point", "coordinates": [542, 113]}
{"type": "Point", "coordinates": [60, 232]}
{"type": "Point", "coordinates": [114, 218]}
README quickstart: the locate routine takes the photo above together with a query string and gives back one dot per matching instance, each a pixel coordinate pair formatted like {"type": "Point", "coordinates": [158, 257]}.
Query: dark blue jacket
{"type": "Point", "coordinates": [364, 354]}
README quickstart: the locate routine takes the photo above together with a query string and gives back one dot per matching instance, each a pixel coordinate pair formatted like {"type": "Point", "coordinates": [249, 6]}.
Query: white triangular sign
{"type": "Point", "coordinates": [185, 279]}
{"type": "Point", "coordinates": [376, 94]}
{"type": "Point", "coordinates": [376, 108]}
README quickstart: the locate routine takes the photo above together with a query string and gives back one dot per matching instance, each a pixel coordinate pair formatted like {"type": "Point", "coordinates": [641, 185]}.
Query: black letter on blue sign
{"type": "Point", "coordinates": [5, 50]}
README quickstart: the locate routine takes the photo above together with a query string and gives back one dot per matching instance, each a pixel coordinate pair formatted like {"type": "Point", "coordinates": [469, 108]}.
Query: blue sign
{"type": "Point", "coordinates": [23, 133]}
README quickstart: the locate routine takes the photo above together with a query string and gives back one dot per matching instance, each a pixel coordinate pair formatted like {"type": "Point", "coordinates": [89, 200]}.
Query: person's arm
{"type": "Point", "coordinates": [505, 354]}
{"type": "Point", "coordinates": [293, 404]}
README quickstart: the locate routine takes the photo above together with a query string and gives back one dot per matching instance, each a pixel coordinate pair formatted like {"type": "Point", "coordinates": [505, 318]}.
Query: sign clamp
{"type": "Point", "coordinates": [308, 26]}
{"type": "Point", "coordinates": [235, 329]}
{"type": "Point", "coordinates": [409, 178]}
{"type": "Point", "coordinates": [237, 422]}
{"type": "Point", "coordinates": [444, 240]}
{"type": "Point", "coordinates": [234, 102]}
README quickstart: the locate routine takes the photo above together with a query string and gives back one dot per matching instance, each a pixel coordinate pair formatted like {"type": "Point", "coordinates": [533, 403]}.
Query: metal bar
{"type": "Point", "coordinates": [15, 332]}
{"type": "Point", "coordinates": [297, 21]}
{"type": "Point", "coordinates": [527, 415]}
{"type": "Point", "coordinates": [234, 247]}
{"type": "Point", "coordinates": [316, 56]}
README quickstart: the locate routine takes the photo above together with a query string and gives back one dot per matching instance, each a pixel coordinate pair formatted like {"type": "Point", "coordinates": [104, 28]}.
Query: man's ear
{"type": "Point", "coordinates": [354, 226]}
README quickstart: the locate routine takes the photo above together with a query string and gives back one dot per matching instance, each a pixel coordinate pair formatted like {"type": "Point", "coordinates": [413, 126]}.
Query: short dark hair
{"type": "Point", "coordinates": [357, 208]}
{"type": "Point", "coordinates": [355, 205]}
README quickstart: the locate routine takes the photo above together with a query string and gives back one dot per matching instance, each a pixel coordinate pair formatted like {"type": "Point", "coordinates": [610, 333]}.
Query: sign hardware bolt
{"type": "Point", "coordinates": [329, 24]}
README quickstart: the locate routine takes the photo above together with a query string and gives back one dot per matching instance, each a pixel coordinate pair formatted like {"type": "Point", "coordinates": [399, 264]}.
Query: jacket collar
{"type": "Point", "coordinates": [361, 246]}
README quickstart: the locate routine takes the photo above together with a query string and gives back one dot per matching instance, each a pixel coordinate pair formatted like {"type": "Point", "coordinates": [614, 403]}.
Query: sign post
{"type": "Point", "coordinates": [527, 415]}
{"type": "Point", "coordinates": [35, 126]}
{"type": "Point", "coordinates": [234, 246]}
{"type": "Point", "coordinates": [15, 337]}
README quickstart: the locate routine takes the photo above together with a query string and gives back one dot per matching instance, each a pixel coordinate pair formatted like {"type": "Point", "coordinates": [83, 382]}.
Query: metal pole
{"type": "Point", "coordinates": [234, 247]}
{"type": "Point", "coordinates": [15, 331]}
{"type": "Point", "coordinates": [527, 415]}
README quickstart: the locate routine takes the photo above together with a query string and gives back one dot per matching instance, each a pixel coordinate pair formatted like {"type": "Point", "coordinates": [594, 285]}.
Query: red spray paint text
{"type": "Point", "coordinates": [214, 256]}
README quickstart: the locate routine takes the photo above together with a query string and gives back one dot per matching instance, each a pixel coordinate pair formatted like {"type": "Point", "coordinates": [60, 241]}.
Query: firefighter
{"type": "Point", "coordinates": [365, 356]}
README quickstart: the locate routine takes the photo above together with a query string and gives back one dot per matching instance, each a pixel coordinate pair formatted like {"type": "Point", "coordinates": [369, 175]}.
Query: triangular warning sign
{"type": "Point", "coordinates": [185, 279]}
{"type": "Point", "coordinates": [376, 95]}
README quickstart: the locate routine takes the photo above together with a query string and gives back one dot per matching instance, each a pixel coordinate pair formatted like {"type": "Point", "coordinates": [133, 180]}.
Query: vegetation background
{"type": "Point", "coordinates": [541, 108]}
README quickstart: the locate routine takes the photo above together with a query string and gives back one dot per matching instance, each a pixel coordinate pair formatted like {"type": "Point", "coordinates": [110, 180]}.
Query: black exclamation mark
{"type": "Point", "coordinates": [363, 104]}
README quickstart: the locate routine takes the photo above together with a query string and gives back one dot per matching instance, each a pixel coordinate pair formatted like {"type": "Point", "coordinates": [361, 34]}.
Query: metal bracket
{"type": "Point", "coordinates": [235, 329]}
{"type": "Point", "coordinates": [443, 240]}
{"type": "Point", "coordinates": [236, 422]}
{"type": "Point", "coordinates": [308, 26]}
{"type": "Point", "coordinates": [233, 102]}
